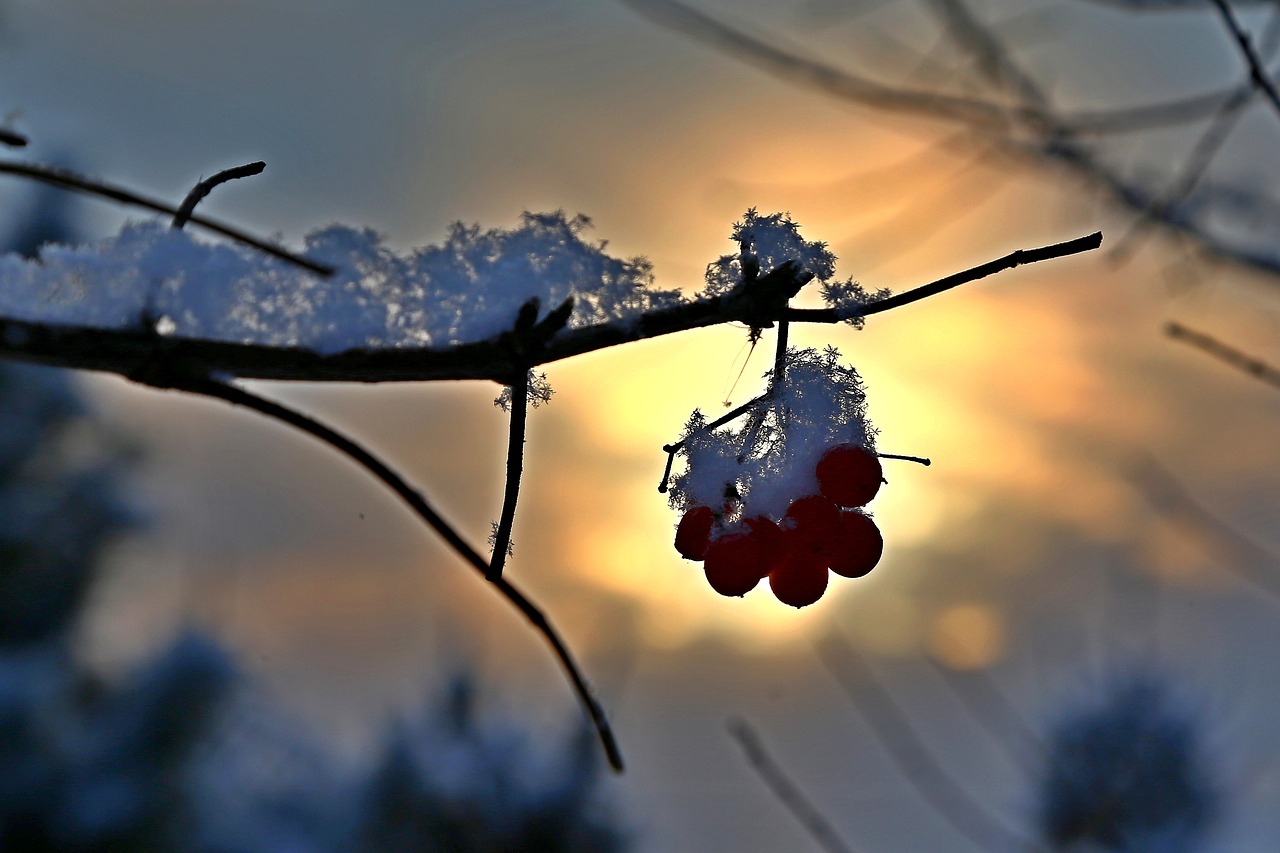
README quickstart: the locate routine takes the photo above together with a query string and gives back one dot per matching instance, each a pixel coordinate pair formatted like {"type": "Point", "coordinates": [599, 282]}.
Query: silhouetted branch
{"type": "Point", "coordinates": [515, 467]}
{"type": "Point", "coordinates": [68, 180]}
{"type": "Point", "coordinates": [202, 189]}
{"type": "Point", "coordinates": [914, 759]}
{"type": "Point", "coordinates": [125, 351]}
{"type": "Point", "coordinates": [785, 790]}
{"type": "Point", "coordinates": [12, 138]}
{"type": "Point", "coordinates": [1013, 259]}
{"type": "Point", "coordinates": [162, 374]}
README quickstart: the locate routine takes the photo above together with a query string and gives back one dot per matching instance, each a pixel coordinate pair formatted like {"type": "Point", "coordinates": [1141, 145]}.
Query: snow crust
{"type": "Point", "coordinates": [468, 288]}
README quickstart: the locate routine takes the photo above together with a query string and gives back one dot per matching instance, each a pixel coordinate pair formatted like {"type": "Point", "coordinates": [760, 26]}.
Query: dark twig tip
{"type": "Point", "coordinates": [202, 189]}
{"type": "Point", "coordinates": [12, 138]}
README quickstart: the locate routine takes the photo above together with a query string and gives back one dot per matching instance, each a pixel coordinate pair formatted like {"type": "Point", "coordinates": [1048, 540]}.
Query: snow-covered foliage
{"type": "Point", "coordinates": [454, 781]}
{"type": "Point", "coordinates": [1128, 774]}
{"type": "Point", "coordinates": [768, 460]}
{"type": "Point", "coordinates": [469, 288]}
{"type": "Point", "coordinates": [87, 767]}
{"type": "Point", "coordinates": [774, 239]}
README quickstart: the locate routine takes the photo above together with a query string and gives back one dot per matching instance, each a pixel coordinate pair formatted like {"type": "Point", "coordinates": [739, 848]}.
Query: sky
{"type": "Point", "coordinates": [1032, 548]}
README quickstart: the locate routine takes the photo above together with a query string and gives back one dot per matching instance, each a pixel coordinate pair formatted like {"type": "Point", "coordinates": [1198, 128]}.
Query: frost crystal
{"type": "Point", "coordinates": [540, 392]}
{"type": "Point", "coordinates": [469, 288]}
{"type": "Point", "coordinates": [774, 240]}
{"type": "Point", "coordinates": [849, 298]}
{"type": "Point", "coordinates": [769, 460]}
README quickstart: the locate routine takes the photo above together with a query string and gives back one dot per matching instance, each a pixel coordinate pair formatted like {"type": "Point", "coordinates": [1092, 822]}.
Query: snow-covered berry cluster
{"type": "Point", "coordinates": [818, 532]}
{"type": "Point", "coordinates": [782, 496]}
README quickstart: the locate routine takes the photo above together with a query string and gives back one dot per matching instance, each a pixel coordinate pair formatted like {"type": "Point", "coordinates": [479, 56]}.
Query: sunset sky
{"type": "Point", "coordinates": [1031, 545]}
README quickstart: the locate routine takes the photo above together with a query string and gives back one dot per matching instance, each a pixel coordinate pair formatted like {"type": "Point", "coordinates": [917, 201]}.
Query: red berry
{"type": "Point", "coordinates": [811, 523]}
{"type": "Point", "coordinates": [849, 475]}
{"type": "Point", "coordinates": [799, 579]}
{"type": "Point", "coordinates": [737, 560]}
{"type": "Point", "coordinates": [693, 534]}
{"type": "Point", "coordinates": [859, 546]}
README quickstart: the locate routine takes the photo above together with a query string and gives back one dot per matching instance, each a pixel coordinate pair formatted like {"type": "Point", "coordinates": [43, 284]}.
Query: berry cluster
{"type": "Point", "coordinates": [818, 532]}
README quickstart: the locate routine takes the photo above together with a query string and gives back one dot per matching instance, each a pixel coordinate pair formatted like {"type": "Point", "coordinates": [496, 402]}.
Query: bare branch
{"type": "Point", "coordinates": [1022, 256]}
{"type": "Point", "coordinates": [515, 467]}
{"type": "Point", "coordinates": [163, 375]}
{"type": "Point", "coordinates": [1257, 73]}
{"type": "Point", "coordinates": [68, 180]}
{"type": "Point", "coordinates": [12, 138]}
{"type": "Point", "coordinates": [818, 827]}
{"type": "Point", "coordinates": [202, 189]}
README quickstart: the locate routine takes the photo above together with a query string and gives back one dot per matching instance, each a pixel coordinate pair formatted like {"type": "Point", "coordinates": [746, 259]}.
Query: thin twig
{"type": "Point", "coordinates": [202, 189]}
{"type": "Point", "coordinates": [418, 503]}
{"type": "Point", "coordinates": [1256, 368]}
{"type": "Point", "coordinates": [1257, 73]}
{"type": "Point", "coordinates": [12, 138]}
{"type": "Point", "coordinates": [68, 180]}
{"type": "Point", "coordinates": [919, 460]}
{"type": "Point", "coordinates": [818, 827]}
{"type": "Point", "coordinates": [1009, 261]}
{"type": "Point", "coordinates": [914, 759]}
{"type": "Point", "coordinates": [515, 467]}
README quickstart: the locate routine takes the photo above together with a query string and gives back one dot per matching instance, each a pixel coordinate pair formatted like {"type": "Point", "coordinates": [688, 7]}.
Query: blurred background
{"type": "Point", "coordinates": [1101, 498]}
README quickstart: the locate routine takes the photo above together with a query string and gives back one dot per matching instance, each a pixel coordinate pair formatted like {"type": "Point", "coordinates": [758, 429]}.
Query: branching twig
{"type": "Point", "coordinates": [785, 790]}
{"type": "Point", "coordinates": [515, 467]}
{"type": "Point", "coordinates": [167, 379]}
{"type": "Point", "coordinates": [1030, 131]}
{"type": "Point", "coordinates": [70, 181]}
{"type": "Point", "coordinates": [915, 760]}
{"type": "Point", "coordinates": [1257, 73]}
{"type": "Point", "coordinates": [202, 189]}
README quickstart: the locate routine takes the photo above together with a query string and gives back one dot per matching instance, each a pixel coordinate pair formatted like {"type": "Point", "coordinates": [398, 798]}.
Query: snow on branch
{"type": "Point", "coordinates": [468, 308]}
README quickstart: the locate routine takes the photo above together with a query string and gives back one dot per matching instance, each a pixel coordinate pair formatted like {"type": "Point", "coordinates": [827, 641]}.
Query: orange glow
{"type": "Point", "coordinates": [967, 636]}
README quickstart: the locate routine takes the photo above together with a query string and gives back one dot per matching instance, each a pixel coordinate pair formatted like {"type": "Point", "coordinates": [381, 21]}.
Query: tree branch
{"type": "Point", "coordinates": [162, 374]}
{"type": "Point", "coordinates": [67, 180]}
{"type": "Point", "coordinates": [1257, 73]}
{"type": "Point", "coordinates": [202, 189]}
{"type": "Point", "coordinates": [125, 351]}
{"type": "Point", "coordinates": [515, 467]}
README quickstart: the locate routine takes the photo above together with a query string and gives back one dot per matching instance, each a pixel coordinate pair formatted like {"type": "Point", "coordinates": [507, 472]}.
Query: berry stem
{"type": "Point", "coordinates": [923, 460]}
{"type": "Point", "coordinates": [515, 466]}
